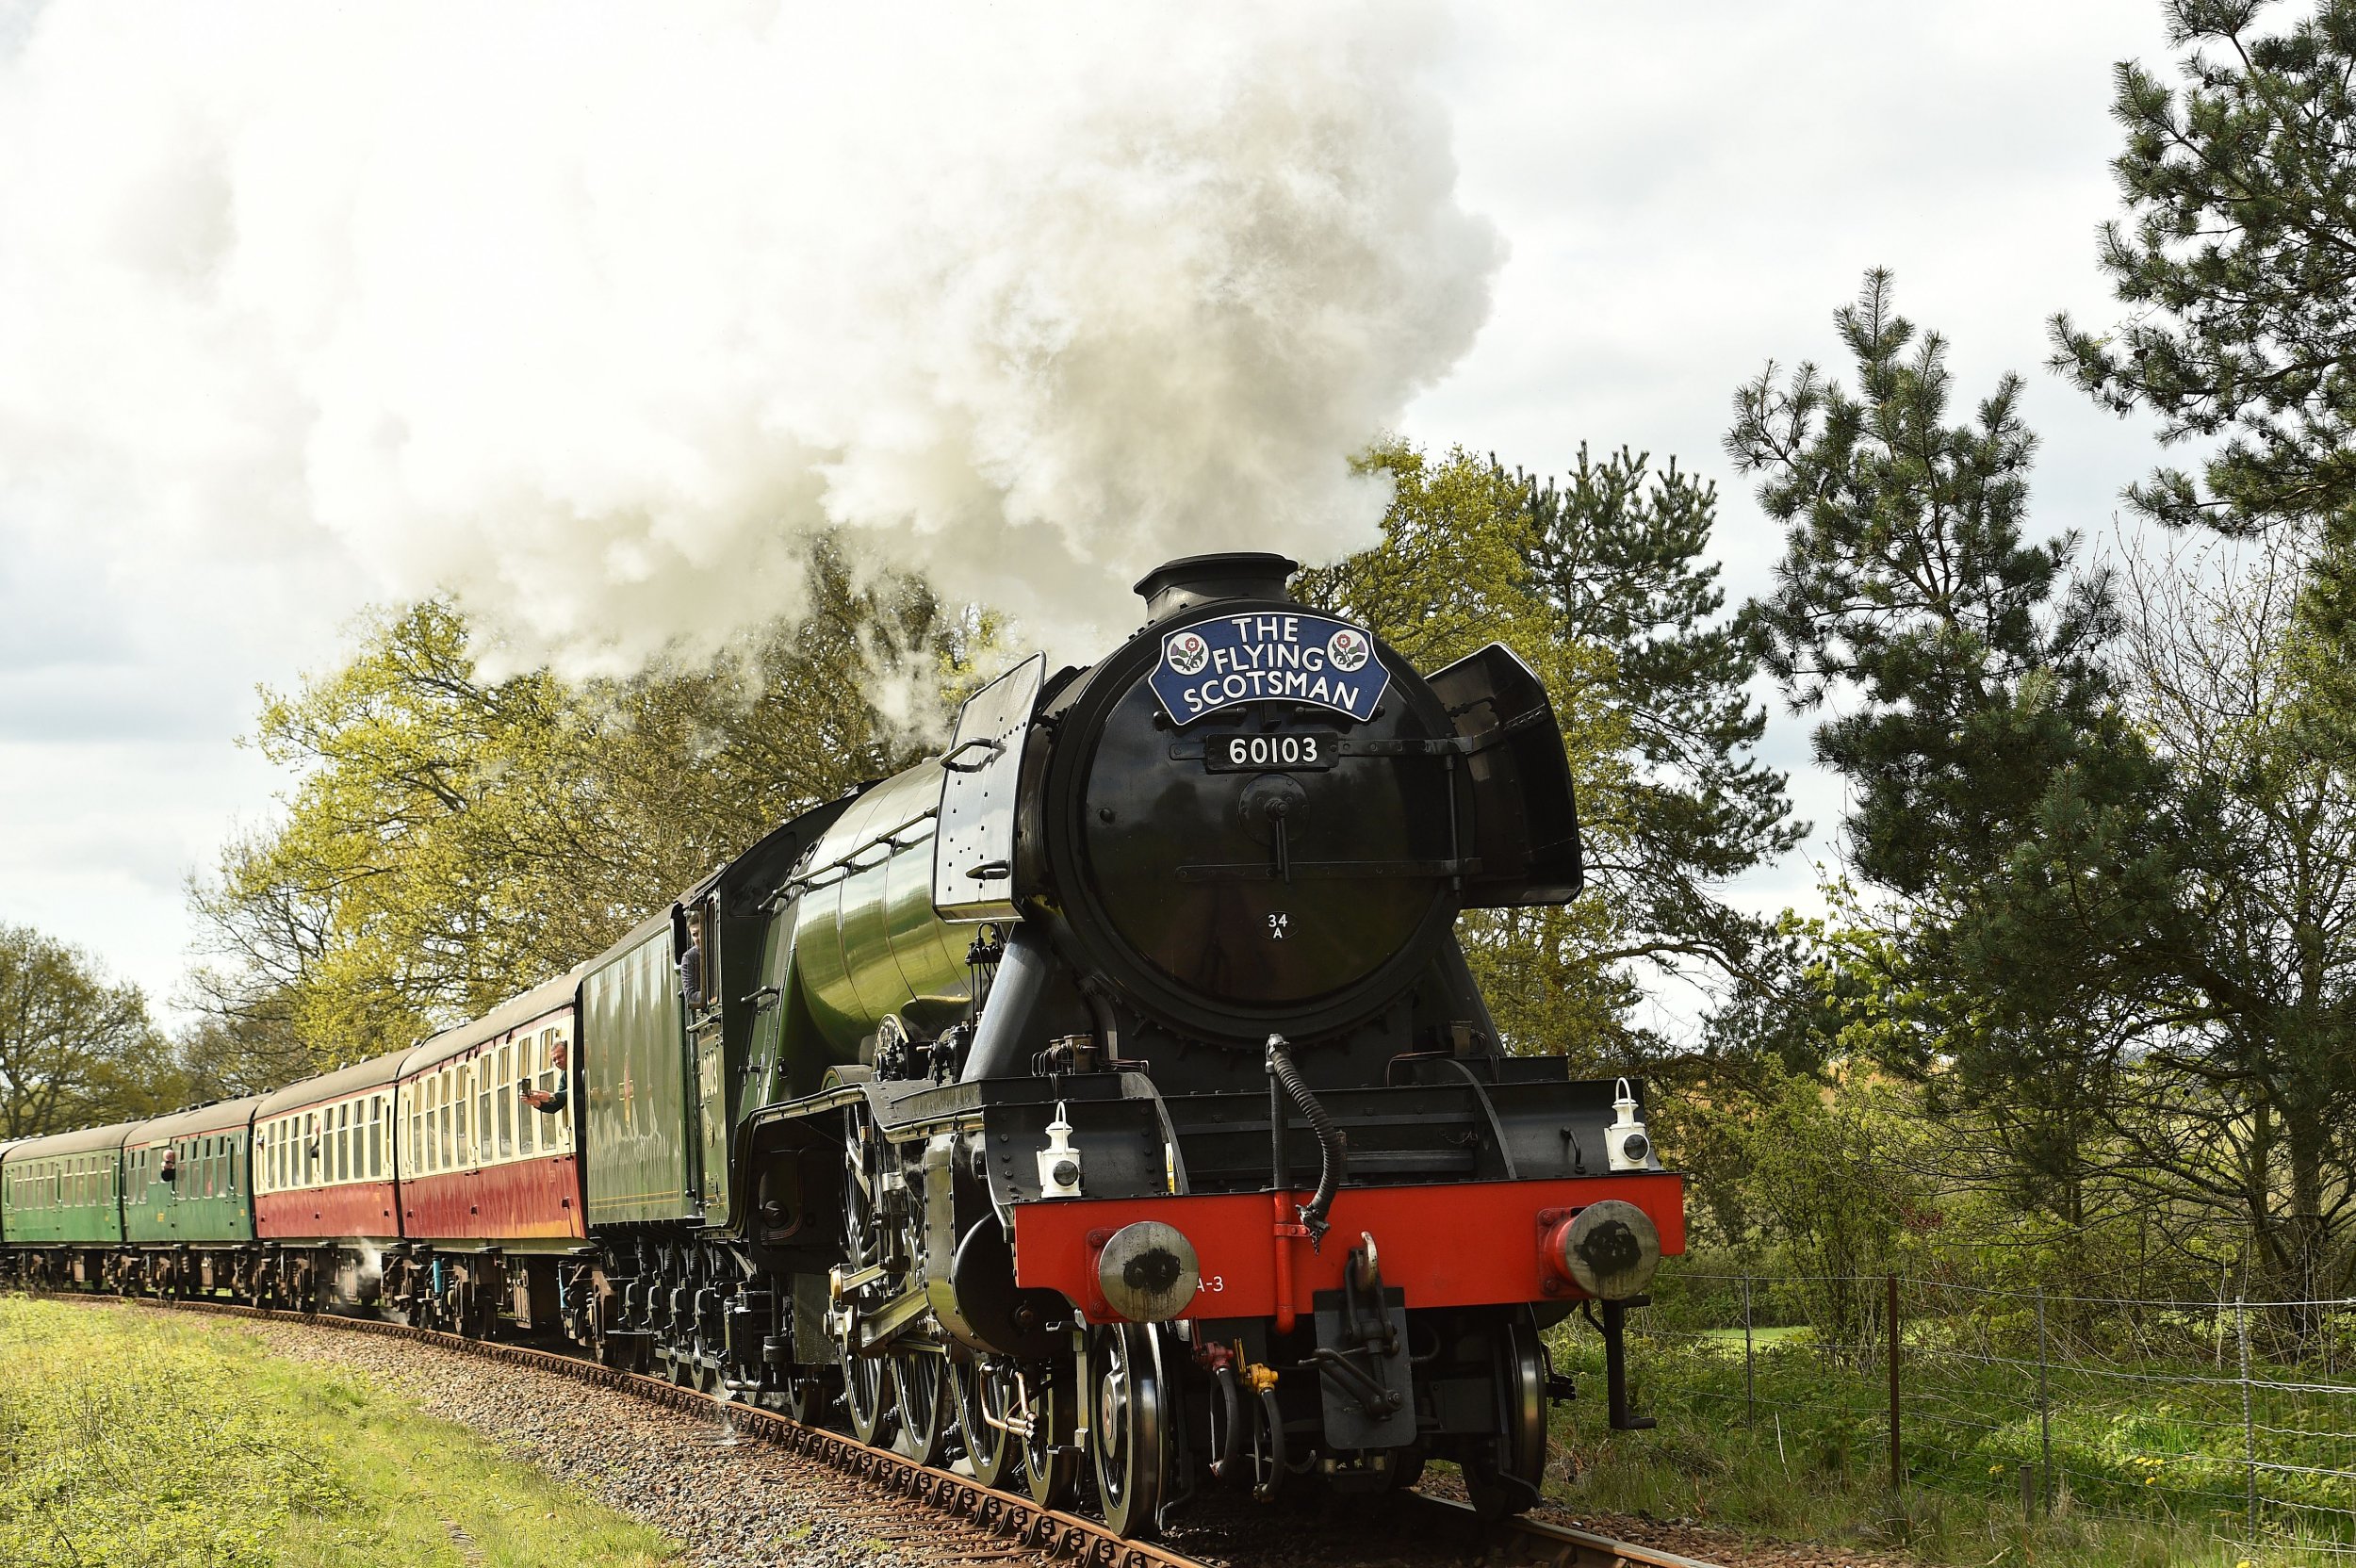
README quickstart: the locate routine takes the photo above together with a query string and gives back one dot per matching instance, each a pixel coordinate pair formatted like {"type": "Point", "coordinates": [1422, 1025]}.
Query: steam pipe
{"type": "Point", "coordinates": [1107, 1024]}
{"type": "Point", "coordinates": [1332, 1158]}
{"type": "Point", "coordinates": [997, 1049]}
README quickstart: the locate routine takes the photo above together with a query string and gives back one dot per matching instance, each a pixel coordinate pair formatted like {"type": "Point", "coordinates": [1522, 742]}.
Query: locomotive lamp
{"type": "Point", "coordinates": [1059, 1163]}
{"type": "Point", "coordinates": [1627, 1142]}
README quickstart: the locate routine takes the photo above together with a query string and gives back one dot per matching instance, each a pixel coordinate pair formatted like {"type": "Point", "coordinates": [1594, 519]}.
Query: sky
{"type": "Point", "coordinates": [1677, 195]}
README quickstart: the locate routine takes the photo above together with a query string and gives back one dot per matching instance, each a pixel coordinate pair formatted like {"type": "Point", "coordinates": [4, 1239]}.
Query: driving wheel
{"type": "Point", "coordinates": [867, 1381]}
{"type": "Point", "coordinates": [920, 1387]}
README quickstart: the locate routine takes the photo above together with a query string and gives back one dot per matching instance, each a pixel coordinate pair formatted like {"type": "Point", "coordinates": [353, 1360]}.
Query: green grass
{"type": "Point", "coordinates": [2149, 1473]}
{"type": "Point", "coordinates": [127, 1439]}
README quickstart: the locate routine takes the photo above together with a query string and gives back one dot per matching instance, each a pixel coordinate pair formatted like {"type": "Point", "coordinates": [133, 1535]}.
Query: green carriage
{"type": "Point", "coordinates": [188, 1198]}
{"type": "Point", "coordinates": [61, 1204]}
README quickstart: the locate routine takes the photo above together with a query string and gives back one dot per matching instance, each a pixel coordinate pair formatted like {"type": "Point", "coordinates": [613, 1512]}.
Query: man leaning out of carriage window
{"type": "Point", "coordinates": [549, 1102]}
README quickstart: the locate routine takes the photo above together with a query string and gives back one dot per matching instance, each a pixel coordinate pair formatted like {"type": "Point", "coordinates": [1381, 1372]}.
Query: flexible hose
{"type": "Point", "coordinates": [1277, 1466]}
{"type": "Point", "coordinates": [1231, 1402]}
{"type": "Point", "coordinates": [1333, 1156]}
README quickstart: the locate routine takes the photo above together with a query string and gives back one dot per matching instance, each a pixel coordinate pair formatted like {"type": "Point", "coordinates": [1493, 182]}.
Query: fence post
{"type": "Point", "coordinates": [1750, 1391]}
{"type": "Point", "coordinates": [2044, 1399]}
{"type": "Point", "coordinates": [2248, 1419]}
{"type": "Point", "coordinates": [1897, 1451]}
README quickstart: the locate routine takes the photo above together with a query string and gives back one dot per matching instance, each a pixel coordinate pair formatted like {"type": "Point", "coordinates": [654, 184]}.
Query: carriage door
{"type": "Point", "coordinates": [706, 1044]}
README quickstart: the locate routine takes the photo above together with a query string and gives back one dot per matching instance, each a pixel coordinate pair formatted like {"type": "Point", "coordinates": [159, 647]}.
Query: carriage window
{"type": "Point", "coordinates": [544, 1079]}
{"type": "Point", "coordinates": [344, 1141]}
{"type": "Point", "coordinates": [528, 1122]}
{"type": "Point", "coordinates": [504, 1077]}
{"type": "Point", "coordinates": [416, 1130]}
{"type": "Point", "coordinates": [448, 1153]}
{"type": "Point", "coordinates": [482, 1075]}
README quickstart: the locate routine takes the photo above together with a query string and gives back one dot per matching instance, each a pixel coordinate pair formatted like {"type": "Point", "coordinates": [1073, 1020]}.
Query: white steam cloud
{"type": "Point", "coordinates": [591, 315]}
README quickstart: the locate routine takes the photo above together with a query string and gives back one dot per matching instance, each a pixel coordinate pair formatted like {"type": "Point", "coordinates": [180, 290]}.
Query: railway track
{"type": "Point", "coordinates": [1010, 1520]}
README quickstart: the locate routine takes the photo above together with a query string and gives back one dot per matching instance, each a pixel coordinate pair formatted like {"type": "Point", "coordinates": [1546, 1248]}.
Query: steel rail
{"type": "Point", "coordinates": [1002, 1515]}
{"type": "Point", "coordinates": [1535, 1541]}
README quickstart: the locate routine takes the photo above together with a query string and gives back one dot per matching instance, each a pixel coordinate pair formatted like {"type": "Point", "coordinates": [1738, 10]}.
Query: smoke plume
{"type": "Point", "coordinates": [590, 315]}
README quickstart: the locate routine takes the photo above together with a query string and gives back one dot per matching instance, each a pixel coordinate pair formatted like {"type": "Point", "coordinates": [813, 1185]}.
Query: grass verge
{"type": "Point", "coordinates": [1804, 1456]}
{"type": "Point", "coordinates": [129, 1439]}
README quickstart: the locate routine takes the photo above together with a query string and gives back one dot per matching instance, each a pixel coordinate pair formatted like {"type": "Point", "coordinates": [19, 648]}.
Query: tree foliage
{"type": "Point", "coordinates": [454, 838]}
{"type": "Point", "coordinates": [76, 1048]}
{"type": "Point", "coordinates": [2109, 857]}
{"type": "Point", "coordinates": [1601, 580]}
{"type": "Point", "coordinates": [2237, 261]}
{"type": "Point", "coordinates": [1907, 581]}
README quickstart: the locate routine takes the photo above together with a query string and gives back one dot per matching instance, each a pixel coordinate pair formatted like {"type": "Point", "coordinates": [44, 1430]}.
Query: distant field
{"type": "Point", "coordinates": [127, 1439]}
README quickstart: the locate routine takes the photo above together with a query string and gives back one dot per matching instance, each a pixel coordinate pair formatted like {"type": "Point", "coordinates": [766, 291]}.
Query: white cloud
{"type": "Point", "coordinates": [310, 298]}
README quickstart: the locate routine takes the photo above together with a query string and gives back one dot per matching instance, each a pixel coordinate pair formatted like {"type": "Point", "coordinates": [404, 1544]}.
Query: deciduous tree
{"type": "Point", "coordinates": [454, 838]}
{"type": "Point", "coordinates": [76, 1050]}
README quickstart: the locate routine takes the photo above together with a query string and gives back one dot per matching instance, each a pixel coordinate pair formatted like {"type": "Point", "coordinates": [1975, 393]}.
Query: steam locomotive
{"type": "Point", "coordinates": [1105, 1102]}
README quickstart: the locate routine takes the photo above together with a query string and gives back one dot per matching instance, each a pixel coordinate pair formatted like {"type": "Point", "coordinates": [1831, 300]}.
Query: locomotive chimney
{"type": "Point", "coordinates": [1193, 579]}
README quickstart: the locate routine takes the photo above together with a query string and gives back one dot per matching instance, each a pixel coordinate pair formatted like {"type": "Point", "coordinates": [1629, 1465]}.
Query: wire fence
{"type": "Point", "coordinates": [2237, 1416]}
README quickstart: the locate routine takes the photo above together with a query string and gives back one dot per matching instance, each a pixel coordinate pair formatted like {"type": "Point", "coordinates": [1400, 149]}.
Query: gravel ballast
{"type": "Point", "coordinates": [738, 1502]}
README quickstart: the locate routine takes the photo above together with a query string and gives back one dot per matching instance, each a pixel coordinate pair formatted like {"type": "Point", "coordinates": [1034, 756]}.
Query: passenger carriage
{"type": "Point", "coordinates": [325, 1207]}
{"type": "Point", "coordinates": [62, 1199]}
{"type": "Point", "coordinates": [490, 1177]}
{"type": "Point", "coordinates": [188, 1211]}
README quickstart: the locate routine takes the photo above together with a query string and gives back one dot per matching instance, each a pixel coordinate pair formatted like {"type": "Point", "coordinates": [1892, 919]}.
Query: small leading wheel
{"type": "Point", "coordinates": [1507, 1481]}
{"type": "Point", "coordinates": [803, 1394]}
{"type": "Point", "coordinates": [1128, 1437]}
{"type": "Point", "coordinates": [1051, 1465]}
{"type": "Point", "coordinates": [920, 1386]}
{"type": "Point", "coordinates": [986, 1397]}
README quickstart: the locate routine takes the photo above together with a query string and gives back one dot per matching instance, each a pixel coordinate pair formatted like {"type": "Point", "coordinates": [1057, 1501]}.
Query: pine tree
{"type": "Point", "coordinates": [2120, 930]}
{"type": "Point", "coordinates": [2237, 262]}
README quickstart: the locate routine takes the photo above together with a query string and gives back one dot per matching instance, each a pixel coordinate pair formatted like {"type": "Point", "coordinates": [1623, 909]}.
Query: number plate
{"type": "Point", "coordinates": [1288, 751]}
